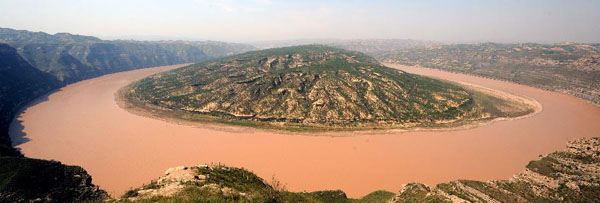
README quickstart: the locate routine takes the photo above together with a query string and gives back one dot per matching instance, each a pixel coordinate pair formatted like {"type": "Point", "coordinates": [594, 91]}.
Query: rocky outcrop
{"type": "Point", "coordinates": [33, 180]}
{"type": "Point", "coordinates": [211, 180]}
{"type": "Point", "coordinates": [174, 181]}
{"type": "Point", "coordinates": [217, 183]}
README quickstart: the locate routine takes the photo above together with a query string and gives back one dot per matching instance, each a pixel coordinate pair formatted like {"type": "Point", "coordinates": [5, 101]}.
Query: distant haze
{"type": "Point", "coordinates": [545, 21]}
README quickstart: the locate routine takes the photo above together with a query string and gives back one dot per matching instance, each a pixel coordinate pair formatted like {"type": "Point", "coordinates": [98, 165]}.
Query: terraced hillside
{"type": "Point", "coordinates": [309, 86]}
{"type": "Point", "coordinates": [568, 67]}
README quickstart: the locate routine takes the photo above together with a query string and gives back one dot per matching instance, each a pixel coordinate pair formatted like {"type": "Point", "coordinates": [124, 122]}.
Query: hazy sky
{"type": "Point", "coordinates": [251, 20]}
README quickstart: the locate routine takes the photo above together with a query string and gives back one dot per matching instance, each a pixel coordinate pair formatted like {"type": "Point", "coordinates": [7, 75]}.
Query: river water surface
{"type": "Point", "coordinates": [82, 125]}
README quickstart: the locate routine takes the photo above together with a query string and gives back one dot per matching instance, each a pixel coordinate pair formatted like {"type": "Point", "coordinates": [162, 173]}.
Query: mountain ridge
{"type": "Point", "coordinates": [570, 68]}
{"type": "Point", "coordinates": [73, 58]}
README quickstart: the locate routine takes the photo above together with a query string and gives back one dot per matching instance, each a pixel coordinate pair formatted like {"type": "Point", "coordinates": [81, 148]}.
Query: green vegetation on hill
{"type": "Point", "coordinates": [307, 87]}
{"type": "Point", "coordinates": [568, 68]}
{"type": "Point", "coordinates": [226, 184]}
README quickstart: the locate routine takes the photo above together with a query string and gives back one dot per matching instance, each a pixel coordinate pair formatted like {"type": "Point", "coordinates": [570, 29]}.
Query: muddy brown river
{"type": "Point", "coordinates": [81, 124]}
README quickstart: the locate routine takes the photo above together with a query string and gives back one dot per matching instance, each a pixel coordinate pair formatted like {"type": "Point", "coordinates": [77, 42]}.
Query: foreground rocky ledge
{"type": "Point", "coordinates": [570, 175]}
{"type": "Point", "coordinates": [34, 180]}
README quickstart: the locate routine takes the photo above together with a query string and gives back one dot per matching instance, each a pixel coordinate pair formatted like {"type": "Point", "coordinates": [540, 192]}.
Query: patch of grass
{"type": "Point", "coordinates": [585, 159]}
{"type": "Point", "coordinates": [131, 193]}
{"type": "Point", "coordinates": [544, 166]}
{"type": "Point", "coordinates": [329, 196]}
{"type": "Point", "coordinates": [417, 192]}
{"type": "Point", "coordinates": [379, 196]}
{"type": "Point", "coordinates": [236, 178]}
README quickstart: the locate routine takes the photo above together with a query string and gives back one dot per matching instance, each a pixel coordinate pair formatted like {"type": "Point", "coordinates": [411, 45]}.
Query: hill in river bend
{"type": "Point", "coordinates": [309, 86]}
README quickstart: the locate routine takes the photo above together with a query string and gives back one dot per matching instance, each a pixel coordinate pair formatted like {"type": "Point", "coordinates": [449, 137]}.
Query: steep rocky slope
{"type": "Point", "coordinates": [34, 180]}
{"type": "Point", "coordinates": [19, 83]}
{"type": "Point", "coordinates": [72, 58]}
{"type": "Point", "coordinates": [570, 175]}
{"type": "Point", "coordinates": [308, 86]}
{"type": "Point", "coordinates": [568, 68]}
{"type": "Point", "coordinates": [31, 180]}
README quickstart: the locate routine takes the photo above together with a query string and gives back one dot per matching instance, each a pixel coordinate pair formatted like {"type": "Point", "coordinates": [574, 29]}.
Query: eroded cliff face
{"type": "Point", "coordinates": [310, 85]}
